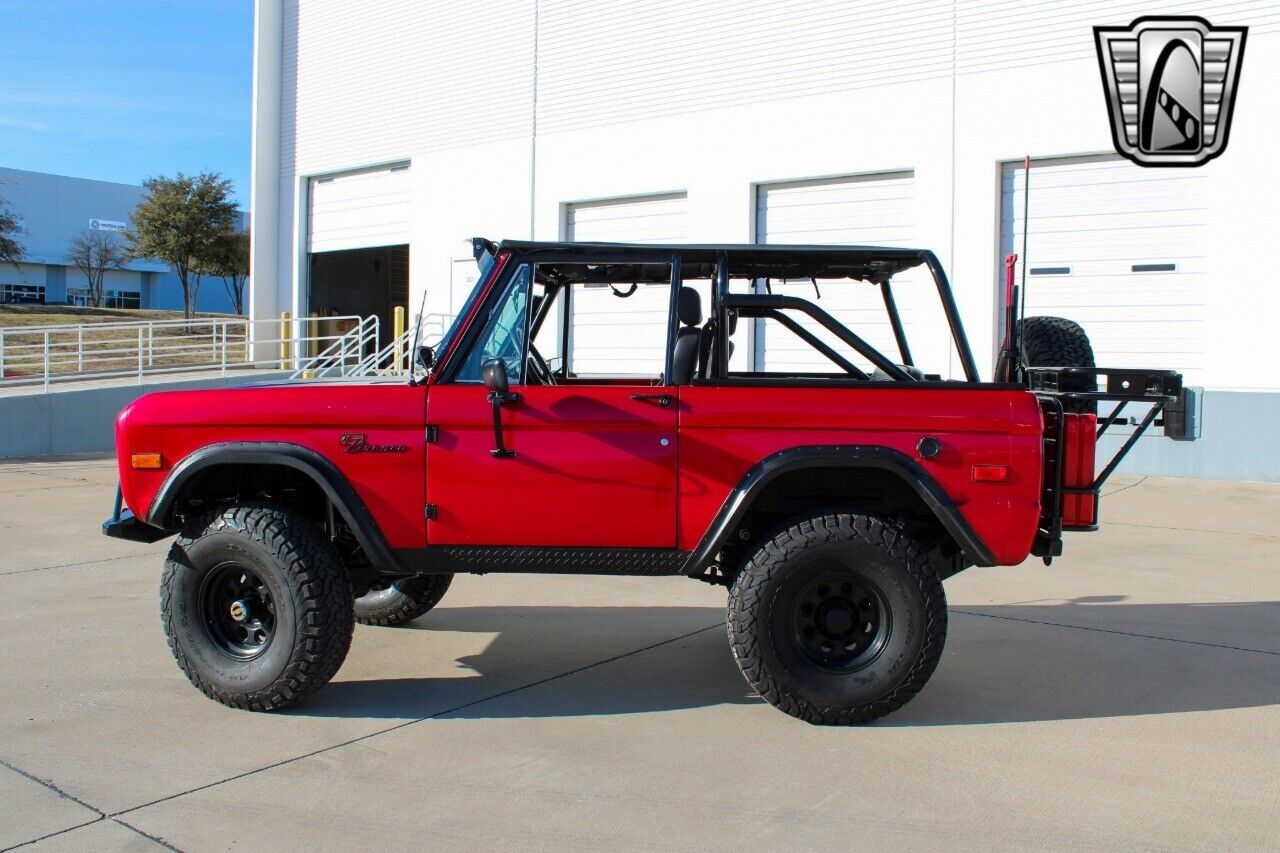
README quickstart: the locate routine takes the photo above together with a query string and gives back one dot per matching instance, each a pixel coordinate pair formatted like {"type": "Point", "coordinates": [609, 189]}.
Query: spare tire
{"type": "Point", "coordinates": [1059, 342]}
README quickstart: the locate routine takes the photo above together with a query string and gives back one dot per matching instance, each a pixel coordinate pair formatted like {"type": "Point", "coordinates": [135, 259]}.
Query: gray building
{"type": "Point", "coordinates": [53, 209]}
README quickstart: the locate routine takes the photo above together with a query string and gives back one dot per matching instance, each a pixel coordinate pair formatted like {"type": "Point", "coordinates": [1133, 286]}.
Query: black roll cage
{"type": "Point", "coordinates": [631, 263]}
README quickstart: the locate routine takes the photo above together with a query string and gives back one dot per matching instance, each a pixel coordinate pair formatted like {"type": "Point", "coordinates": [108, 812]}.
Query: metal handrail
{"type": "Point", "coordinates": [44, 355]}
{"type": "Point", "coordinates": [338, 355]}
{"type": "Point", "coordinates": [198, 320]}
{"type": "Point", "coordinates": [391, 355]}
{"type": "Point", "coordinates": [395, 359]}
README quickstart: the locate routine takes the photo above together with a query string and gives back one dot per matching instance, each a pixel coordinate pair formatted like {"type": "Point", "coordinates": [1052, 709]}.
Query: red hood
{"type": "Point", "coordinates": [315, 415]}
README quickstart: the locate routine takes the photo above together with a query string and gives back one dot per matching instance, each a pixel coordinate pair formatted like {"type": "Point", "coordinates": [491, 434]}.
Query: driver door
{"type": "Point", "coordinates": [594, 460]}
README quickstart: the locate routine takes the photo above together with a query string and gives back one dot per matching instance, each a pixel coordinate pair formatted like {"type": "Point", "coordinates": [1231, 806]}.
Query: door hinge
{"type": "Point", "coordinates": [433, 434]}
{"type": "Point", "coordinates": [430, 512]}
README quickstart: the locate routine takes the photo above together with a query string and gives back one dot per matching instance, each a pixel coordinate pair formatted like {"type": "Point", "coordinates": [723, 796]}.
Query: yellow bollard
{"type": "Point", "coordinates": [284, 339]}
{"type": "Point", "coordinates": [397, 331]}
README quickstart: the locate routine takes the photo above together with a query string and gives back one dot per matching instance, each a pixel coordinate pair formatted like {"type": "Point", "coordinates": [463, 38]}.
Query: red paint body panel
{"type": "Point", "coordinates": [176, 423]}
{"type": "Point", "coordinates": [724, 431]}
{"type": "Point", "coordinates": [593, 468]}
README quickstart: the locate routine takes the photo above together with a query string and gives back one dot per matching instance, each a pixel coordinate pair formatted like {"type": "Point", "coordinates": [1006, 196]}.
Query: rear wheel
{"type": "Point", "coordinates": [1059, 342]}
{"type": "Point", "coordinates": [256, 605]}
{"type": "Point", "coordinates": [395, 602]}
{"type": "Point", "coordinates": [837, 619]}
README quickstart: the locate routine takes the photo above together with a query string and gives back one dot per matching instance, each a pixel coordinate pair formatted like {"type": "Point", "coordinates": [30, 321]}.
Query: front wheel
{"type": "Point", "coordinates": [837, 619]}
{"type": "Point", "coordinates": [256, 605]}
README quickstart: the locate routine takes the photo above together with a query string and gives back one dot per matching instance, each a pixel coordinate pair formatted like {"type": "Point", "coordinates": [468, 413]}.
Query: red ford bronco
{"type": "Point", "coordinates": [613, 409]}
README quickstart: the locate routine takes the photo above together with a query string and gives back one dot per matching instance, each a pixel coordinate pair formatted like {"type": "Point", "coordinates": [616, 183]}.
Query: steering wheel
{"type": "Point", "coordinates": [538, 367]}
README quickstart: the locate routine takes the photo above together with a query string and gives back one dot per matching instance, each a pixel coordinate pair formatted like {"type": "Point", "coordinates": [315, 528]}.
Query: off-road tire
{"type": "Point", "coordinates": [312, 601]}
{"type": "Point", "coordinates": [401, 601]}
{"type": "Point", "coordinates": [1059, 342]}
{"type": "Point", "coordinates": [870, 551]}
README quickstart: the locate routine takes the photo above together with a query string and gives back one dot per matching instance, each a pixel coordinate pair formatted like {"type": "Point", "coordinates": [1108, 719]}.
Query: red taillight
{"type": "Point", "coordinates": [990, 473]}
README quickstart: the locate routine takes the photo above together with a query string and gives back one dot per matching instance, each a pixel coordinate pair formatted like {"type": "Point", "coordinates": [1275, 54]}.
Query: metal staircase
{"type": "Point", "coordinates": [344, 356]}
{"type": "Point", "coordinates": [356, 353]}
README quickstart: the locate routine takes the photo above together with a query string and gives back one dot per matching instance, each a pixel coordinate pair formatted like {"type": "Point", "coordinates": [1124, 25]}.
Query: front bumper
{"type": "Point", "coordinates": [123, 524]}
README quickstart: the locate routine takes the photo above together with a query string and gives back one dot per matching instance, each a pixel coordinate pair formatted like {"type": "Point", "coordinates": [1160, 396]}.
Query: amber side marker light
{"type": "Point", "coordinates": [990, 473]}
{"type": "Point", "coordinates": [145, 461]}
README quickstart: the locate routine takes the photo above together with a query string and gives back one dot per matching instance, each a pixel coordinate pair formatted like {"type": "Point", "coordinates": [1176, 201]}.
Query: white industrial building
{"type": "Point", "coordinates": [387, 134]}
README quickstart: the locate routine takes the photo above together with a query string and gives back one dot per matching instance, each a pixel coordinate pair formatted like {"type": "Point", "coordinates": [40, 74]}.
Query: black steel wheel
{"type": "Point", "coordinates": [256, 605]}
{"type": "Point", "coordinates": [239, 610]}
{"type": "Point", "coordinates": [837, 619]}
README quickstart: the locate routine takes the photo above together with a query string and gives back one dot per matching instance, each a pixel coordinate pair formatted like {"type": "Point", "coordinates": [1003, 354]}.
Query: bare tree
{"type": "Point", "coordinates": [93, 253]}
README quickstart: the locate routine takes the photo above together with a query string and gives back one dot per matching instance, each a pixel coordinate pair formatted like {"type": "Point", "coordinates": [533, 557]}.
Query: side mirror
{"type": "Point", "coordinates": [494, 372]}
{"type": "Point", "coordinates": [426, 357]}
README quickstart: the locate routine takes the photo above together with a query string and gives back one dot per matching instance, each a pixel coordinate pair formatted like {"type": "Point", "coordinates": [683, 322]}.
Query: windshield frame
{"type": "Point", "coordinates": [490, 267]}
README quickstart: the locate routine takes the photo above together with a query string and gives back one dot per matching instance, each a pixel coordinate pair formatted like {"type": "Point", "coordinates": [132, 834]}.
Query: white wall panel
{"type": "Point", "coordinates": [1099, 217]}
{"type": "Point", "coordinates": [606, 61]}
{"type": "Point", "coordinates": [367, 83]}
{"type": "Point", "coordinates": [1011, 34]}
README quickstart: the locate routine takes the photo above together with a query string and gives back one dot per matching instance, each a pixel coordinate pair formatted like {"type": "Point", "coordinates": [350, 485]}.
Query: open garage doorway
{"type": "Point", "coordinates": [365, 282]}
{"type": "Point", "coordinates": [358, 226]}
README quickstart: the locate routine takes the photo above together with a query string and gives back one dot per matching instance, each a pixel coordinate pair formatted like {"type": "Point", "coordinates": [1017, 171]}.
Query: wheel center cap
{"type": "Point", "coordinates": [239, 610]}
{"type": "Point", "coordinates": [838, 620]}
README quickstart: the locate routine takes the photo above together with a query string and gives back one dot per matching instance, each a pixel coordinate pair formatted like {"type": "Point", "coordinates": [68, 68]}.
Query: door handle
{"type": "Point", "coordinates": [663, 400]}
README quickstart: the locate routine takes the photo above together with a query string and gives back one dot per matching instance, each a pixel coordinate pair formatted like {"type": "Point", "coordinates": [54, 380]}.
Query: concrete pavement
{"type": "Point", "coordinates": [1127, 696]}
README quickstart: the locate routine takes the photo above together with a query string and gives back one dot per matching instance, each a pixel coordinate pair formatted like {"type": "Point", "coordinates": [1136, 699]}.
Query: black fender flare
{"type": "Point", "coordinates": [303, 459]}
{"type": "Point", "coordinates": [842, 456]}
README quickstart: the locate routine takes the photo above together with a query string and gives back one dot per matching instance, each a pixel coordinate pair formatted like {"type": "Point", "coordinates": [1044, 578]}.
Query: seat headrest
{"type": "Point", "coordinates": [689, 306]}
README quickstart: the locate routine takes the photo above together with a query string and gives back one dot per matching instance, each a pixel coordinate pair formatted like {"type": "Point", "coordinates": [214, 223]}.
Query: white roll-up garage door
{"type": "Point", "coordinates": [642, 219]}
{"type": "Point", "coordinates": [606, 340]}
{"type": "Point", "coordinates": [1121, 250]}
{"type": "Point", "coordinates": [359, 210]}
{"type": "Point", "coordinates": [869, 210]}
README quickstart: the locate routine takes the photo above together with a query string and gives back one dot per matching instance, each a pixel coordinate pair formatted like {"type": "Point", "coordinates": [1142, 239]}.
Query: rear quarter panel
{"type": "Point", "coordinates": [316, 416]}
{"type": "Point", "coordinates": [725, 430]}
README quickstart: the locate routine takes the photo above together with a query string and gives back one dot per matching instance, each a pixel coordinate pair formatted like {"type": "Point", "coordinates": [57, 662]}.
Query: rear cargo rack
{"type": "Point", "coordinates": [1160, 390]}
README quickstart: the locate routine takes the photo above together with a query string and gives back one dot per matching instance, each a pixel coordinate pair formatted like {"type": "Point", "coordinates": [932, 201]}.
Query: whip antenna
{"type": "Point", "coordinates": [1026, 226]}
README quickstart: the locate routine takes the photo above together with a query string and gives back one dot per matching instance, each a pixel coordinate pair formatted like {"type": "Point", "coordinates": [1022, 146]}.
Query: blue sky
{"type": "Point", "coordinates": [124, 90]}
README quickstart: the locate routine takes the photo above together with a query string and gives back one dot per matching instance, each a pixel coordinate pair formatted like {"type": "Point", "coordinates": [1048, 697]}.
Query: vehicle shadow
{"type": "Point", "coordinates": [1003, 664]}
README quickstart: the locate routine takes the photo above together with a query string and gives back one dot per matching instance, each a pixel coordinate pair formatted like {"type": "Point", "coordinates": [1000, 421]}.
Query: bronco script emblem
{"type": "Point", "coordinates": [1170, 85]}
{"type": "Point", "coordinates": [355, 442]}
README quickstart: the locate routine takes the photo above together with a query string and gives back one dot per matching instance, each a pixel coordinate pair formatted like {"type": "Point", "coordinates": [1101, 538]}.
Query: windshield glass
{"type": "Point", "coordinates": [504, 333]}
{"type": "Point", "coordinates": [446, 340]}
